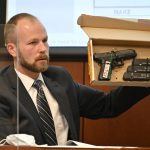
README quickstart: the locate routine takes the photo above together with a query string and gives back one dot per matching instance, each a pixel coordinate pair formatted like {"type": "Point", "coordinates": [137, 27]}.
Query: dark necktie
{"type": "Point", "coordinates": [45, 114]}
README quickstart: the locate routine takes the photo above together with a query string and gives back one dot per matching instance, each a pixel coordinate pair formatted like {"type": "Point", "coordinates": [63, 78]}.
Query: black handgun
{"type": "Point", "coordinates": [111, 59]}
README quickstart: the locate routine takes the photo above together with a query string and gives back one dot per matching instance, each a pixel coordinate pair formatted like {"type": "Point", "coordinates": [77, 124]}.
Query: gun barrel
{"type": "Point", "coordinates": [115, 55]}
{"type": "Point", "coordinates": [125, 54]}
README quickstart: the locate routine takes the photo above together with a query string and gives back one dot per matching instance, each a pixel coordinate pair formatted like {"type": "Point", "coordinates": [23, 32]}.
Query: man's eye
{"type": "Point", "coordinates": [45, 41]}
{"type": "Point", "coordinates": [33, 42]}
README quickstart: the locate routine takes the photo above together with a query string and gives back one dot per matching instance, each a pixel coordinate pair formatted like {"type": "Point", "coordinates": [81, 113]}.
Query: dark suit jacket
{"type": "Point", "coordinates": [74, 100]}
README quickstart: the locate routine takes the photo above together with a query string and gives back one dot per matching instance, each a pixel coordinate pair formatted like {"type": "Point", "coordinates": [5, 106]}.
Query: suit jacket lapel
{"type": "Point", "coordinates": [61, 97]}
{"type": "Point", "coordinates": [27, 102]}
{"type": "Point", "coordinates": [18, 89]}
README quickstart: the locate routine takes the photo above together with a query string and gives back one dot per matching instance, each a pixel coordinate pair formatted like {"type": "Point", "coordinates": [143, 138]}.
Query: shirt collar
{"type": "Point", "coordinates": [27, 81]}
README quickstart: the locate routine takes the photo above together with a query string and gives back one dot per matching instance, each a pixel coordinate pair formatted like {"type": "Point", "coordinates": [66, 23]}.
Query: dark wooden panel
{"type": "Point", "coordinates": [132, 128]}
{"type": "Point", "coordinates": [5, 58]}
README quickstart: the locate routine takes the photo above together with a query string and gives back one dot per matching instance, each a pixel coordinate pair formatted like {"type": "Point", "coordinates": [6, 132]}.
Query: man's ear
{"type": "Point", "coordinates": [12, 49]}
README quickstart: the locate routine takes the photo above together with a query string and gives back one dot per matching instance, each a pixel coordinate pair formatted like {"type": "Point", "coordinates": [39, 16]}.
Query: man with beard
{"type": "Point", "coordinates": [26, 41]}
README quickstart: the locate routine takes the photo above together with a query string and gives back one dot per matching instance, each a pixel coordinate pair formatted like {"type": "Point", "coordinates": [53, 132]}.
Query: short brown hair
{"type": "Point", "coordinates": [10, 27]}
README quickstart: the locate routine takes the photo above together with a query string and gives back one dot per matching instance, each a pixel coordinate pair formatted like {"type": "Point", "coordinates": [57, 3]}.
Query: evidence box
{"type": "Point", "coordinates": [107, 35]}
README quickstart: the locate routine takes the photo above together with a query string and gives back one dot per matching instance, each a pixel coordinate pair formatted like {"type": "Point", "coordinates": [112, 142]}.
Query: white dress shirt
{"type": "Point", "coordinates": [61, 125]}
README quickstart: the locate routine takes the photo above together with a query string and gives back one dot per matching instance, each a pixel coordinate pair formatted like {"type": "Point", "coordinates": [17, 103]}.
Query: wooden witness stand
{"type": "Point", "coordinates": [69, 148]}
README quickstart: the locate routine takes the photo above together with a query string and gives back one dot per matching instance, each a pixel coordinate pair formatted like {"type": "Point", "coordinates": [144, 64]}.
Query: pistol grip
{"type": "Point", "coordinates": [105, 71]}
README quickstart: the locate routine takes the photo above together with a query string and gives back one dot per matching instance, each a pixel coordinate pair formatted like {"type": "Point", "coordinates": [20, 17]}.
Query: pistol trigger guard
{"type": "Point", "coordinates": [120, 63]}
{"type": "Point", "coordinates": [115, 63]}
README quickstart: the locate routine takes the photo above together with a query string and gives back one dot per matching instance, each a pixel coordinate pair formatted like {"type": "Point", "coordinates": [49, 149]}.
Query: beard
{"type": "Point", "coordinates": [34, 67]}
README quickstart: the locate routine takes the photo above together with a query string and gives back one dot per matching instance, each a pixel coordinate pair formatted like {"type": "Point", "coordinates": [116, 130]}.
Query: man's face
{"type": "Point", "coordinates": [32, 48]}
